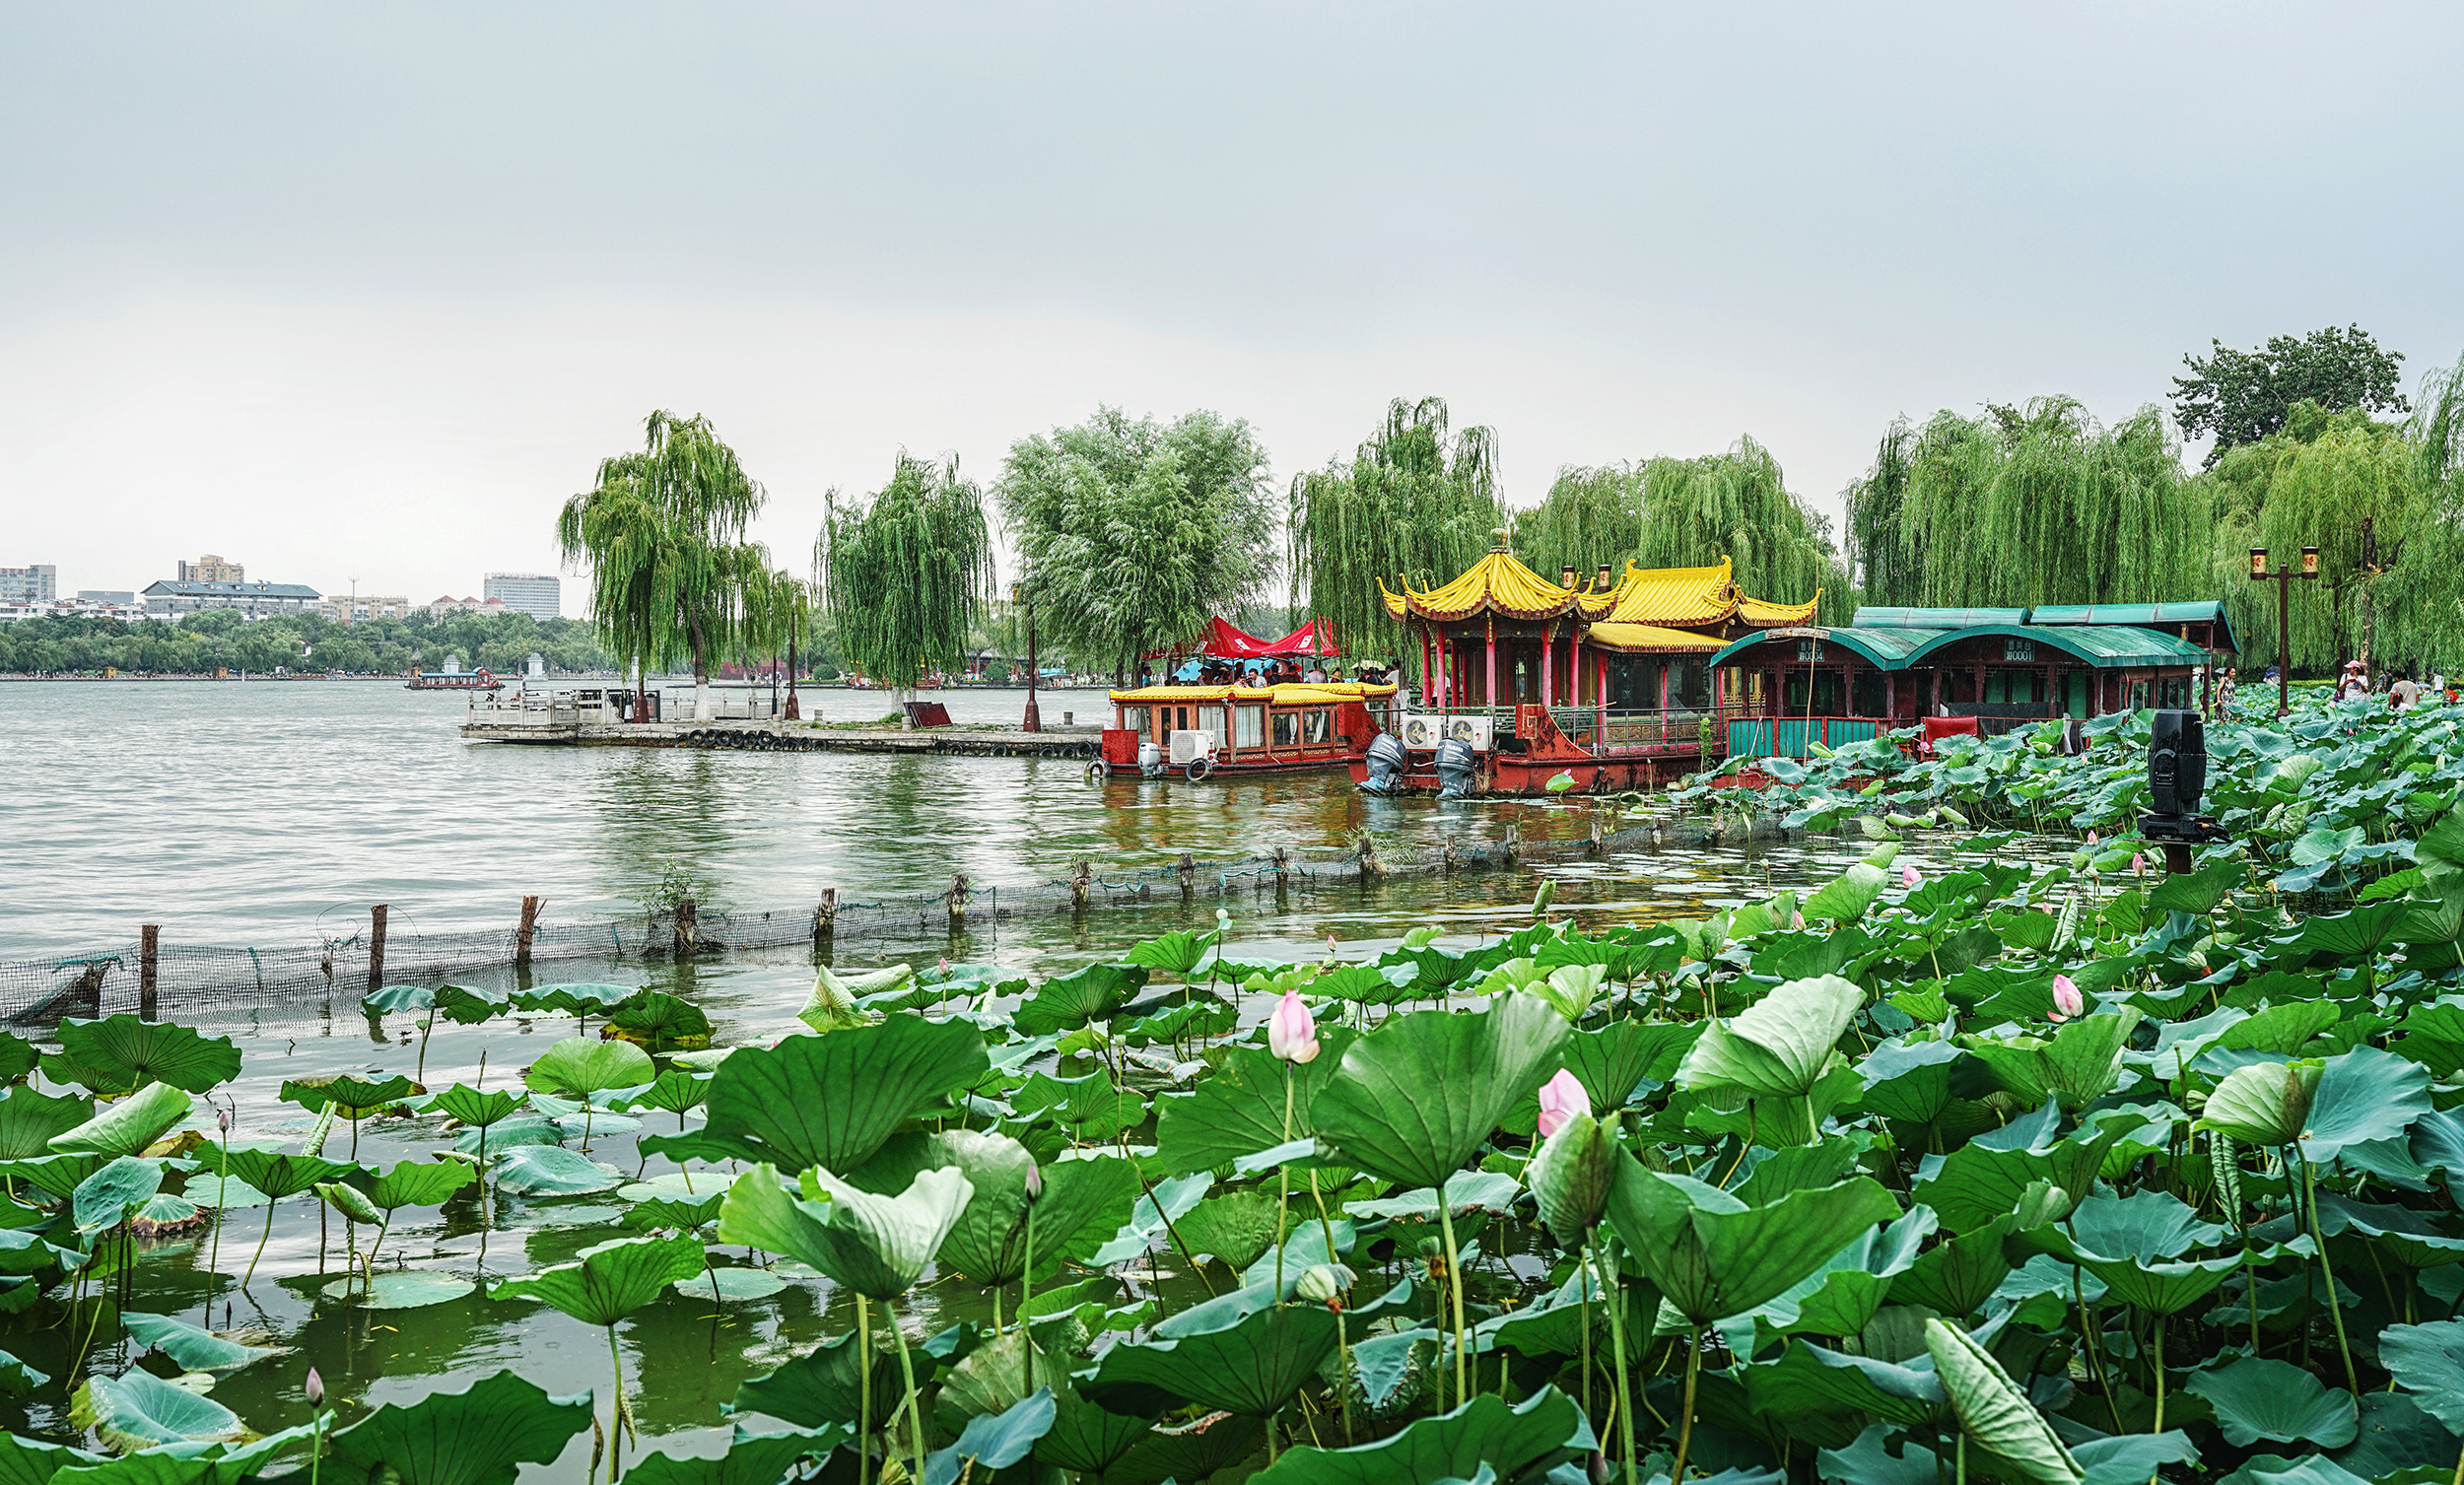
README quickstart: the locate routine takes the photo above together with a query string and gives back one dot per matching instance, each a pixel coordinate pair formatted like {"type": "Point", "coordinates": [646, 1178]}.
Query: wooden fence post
{"type": "Point", "coordinates": [522, 935]}
{"type": "Point", "coordinates": [1447, 845]}
{"type": "Point", "coordinates": [1369, 867]}
{"type": "Point", "coordinates": [376, 947]}
{"type": "Point", "coordinates": [958, 902]}
{"type": "Point", "coordinates": [149, 946]}
{"type": "Point", "coordinates": [826, 916]}
{"type": "Point", "coordinates": [1282, 868]}
{"type": "Point", "coordinates": [685, 942]}
{"type": "Point", "coordinates": [1597, 834]}
{"type": "Point", "coordinates": [1187, 874]}
{"type": "Point", "coordinates": [1514, 841]}
{"type": "Point", "coordinates": [1081, 873]}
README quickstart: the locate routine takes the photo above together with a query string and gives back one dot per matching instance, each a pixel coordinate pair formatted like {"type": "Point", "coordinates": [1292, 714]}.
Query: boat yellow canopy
{"type": "Point", "coordinates": [1298, 693]}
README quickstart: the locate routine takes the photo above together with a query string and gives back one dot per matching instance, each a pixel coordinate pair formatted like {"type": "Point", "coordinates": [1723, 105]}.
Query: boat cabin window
{"type": "Point", "coordinates": [1249, 727]}
{"type": "Point", "coordinates": [1211, 722]}
{"type": "Point", "coordinates": [1134, 719]}
{"type": "Point", "coordinates": [1288, 729]}
{"type": "Point", "coordinates": [1316, 726]}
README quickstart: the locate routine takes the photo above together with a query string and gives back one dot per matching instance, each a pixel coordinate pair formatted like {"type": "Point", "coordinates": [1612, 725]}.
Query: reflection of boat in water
{"type": "Point", "coordinates": [481, 679]}
{"type": "Point", "coordinates": [1199, 730]}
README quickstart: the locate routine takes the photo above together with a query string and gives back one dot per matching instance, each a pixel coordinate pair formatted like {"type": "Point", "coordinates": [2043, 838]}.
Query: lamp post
{"type": "Point", "coordinates": [2282, 579]}
{"type": "Point", "coordinates": [2370, 569]}
{"type": "Point", "coordinates": [1020, 594]}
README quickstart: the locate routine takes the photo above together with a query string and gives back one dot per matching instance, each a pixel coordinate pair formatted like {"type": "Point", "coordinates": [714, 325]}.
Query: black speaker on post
{"type": "Point", "coordinates": [2178, 763]}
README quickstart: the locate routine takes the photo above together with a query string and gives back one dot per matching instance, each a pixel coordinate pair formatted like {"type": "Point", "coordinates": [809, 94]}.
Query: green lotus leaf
{"type": "Point", "coordinates": [993, 1440]}
{"type": "Point", "coordinates": [105, 1199]}
{"type": "Point", "coordinates": [1084, 995]}
{"type": "Point", "coordinates": [192, 1348]}
{"type": "Point", "coordinates": [1780, 1045]}
{"type": "Point", "coordinates": [877, 1246]}
{"type": "Point", "coordinates": [398, 997]}
{"type": "Point", "coordinates": [1995, 1413]}
{"type": "Point", "coordinates": [1179, 952]}
{"type": "Point", "coordinates": [1239, 1352]}
{"type": "Point", "coordinates": [823, 1388]}
{"type": "Point", "coordinates": [579, 1066]}
{"type": "Point", "coordinates": [1514, 1442]}
{"type": "Point", "coordinates": [480, 1436]}
{"type": "Point", "coordinates": [1957, 1276]}
{"type": "Point", "coordinates": [2257, 1399]}
{"type": "Point", "coordinates": [1713, 1257]}
{"type": "Point", "coordinates": [1234, 1227]}
{"type": "Point", "coordinates": [1572, 1175]}
{"type": "Point", "coordinates": [1085, 1437]}
{"type": "Point", "coordinates": [476, 1109]}
{"type": "Point", "coordinates": [1842, 1295]}
{"type": "Point", "coordinates": [18, 1380]}
{"type": "Point", "coordinates": [1237, 1110]}
{"type": "Point", "coordinates": [1190, 1451]}
{"type": "Point", "coordinates": [1418, 1098]}
{"type": "Point", "coordinates": [18, 1058]}
{"type": "Point", "coordinates": [553, 1170]}
{"type": "Point", "coordinates": [608, 1281]}
{"type": "Point", "coordinates": [138, 1410]}
{"type": "Point", "coordinates": [128, 1125]}
{"type": "Point", "coordinates": [151, 1051]}
{"type": "Point", "coordinates": [2362, 1096]}
{"type": "Point", "coordinates": [1846, 897]}
{"type": "Point", "coordinates": [2076, 1065]}
{"type": "Point", "coordinates": [833, 1101]}
{"type": "Point", "coordinates": [420, 1183]}
{"type": "Point", "coordinates": [30, 1119]}
{"type": "Point", "coordinates": [465, 1006]}
{"type": "Point", "coordinates": [729, 1286]}
{"type": "Point", "coordinates": [675, 1091]}
{"type": "Point", "coordinates": [751, 1459]}
{"type": "Point", "coordinates": [350, 1098]}
{"type": "Point", "coordinates": [1084, 1203]}
{"type": "Point", "coordinates": [2428, 1361]}
{"type": "Point", "coordinates": [683, 1215]}
{"type": "Point", "coordinates": [350, 1202]}
{"type": "Point", "coordinates": [1809, 1379]}
{"type": "Point", "coordinates": [278, 1175]}
{"type": "Point", "coordinates": [659, 1019]}
{"type": "Point", "coordinates": [1466, 1191]}
{"type": "Point", "coordinates": [406, 1289]}
{"type": "Point", "coordinates": [576, 999]}
{"type": "Point", "coordinates": [1979, 1182]}
{"type": "Point", "coordinates": [996, 1376]}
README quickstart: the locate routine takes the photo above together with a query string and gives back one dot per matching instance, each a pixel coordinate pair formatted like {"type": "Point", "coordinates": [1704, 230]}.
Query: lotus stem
{"type": "Point", "coordinates": [1026, 1291]}
{"type": "Point", "coordinates": [2335, 1308]}
{"type": "Point", "coordinates": [863, 1363]}
{"type": "Point", "coordinates": [260, 1241]}
{"type": "Point", "coordinates": [1284, 1192]}
{"type": "Point", "coordinates": [1686, 1426]}
{"type": "Point", "coordinates": [2158, 1426]}
{"type": "Point", "coordinates": [1454, 1288]}
{"type": "Point", "coordinates": [419, 1071]}
{"type": "Point", "coordinates": [1616, 1344]}
{"type": "Point", "coordinates": [2459, 1468]}
{"type": "Point", "coordinates": [907, 1369]}
{"type": "Point", "coordinates": [616, 1412]}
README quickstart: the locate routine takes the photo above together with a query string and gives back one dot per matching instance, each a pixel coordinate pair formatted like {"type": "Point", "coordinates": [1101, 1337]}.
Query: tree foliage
{"type": "Point", "coordinates": [213, 640]}
{"type": "Point", "coordinates": [1132, 532]}
{"type": "Point", "coordinates": [1413, 504]}
{"type": "Point", "coordinates": [2031, 504]}
{"type": "Point", "coordinates": [2243, 397]}
{"type": "Point", "coordinates": [905, 572]}
{"type": "Point", "coordinates": [1668, 513]}
{"type": "Point", "coordinates": [662, 533]}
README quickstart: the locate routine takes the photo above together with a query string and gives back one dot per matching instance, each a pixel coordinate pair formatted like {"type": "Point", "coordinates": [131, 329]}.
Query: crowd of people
{"type": "Point", "coordinates": [2403, 691]}
{"type": "Point", "coordinates": [1277, 672]}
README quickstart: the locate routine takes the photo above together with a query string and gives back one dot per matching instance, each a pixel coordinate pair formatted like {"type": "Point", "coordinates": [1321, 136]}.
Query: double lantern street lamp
{"type": "Point", "coordinates": [2282, 579]}
{"type": "Point", "coordinates": [1023, 595]}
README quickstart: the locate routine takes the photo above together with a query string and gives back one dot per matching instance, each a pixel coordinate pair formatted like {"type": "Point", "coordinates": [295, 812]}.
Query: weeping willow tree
{"type": "Point", "coordinates": [905, 572]}
{"type": "Point", "coordinates": [778, 617]}
{"type": "Point", "coordinates": [661, 531]}
{"type": "Point", "coordinates": [1413, 504]}
{"type": "Point", "coordinates": [2027, 505]}
{"type": "Point", "coordinates": [2316, 482]}
{"type": "Point", "coordinates": [1668, 513]}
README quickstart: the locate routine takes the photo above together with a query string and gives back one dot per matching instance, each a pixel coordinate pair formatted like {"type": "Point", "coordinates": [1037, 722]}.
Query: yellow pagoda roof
{"type": "Point", "coordinates": [1297, 694]}
{"type": "Point", "coordinates": [1674, 595]}
{"type": "Point", "coordinates": [1764, 615]}
{"type": "Point", "coordinates": [1495, 584]}
{"type": "Point", "coordinates": [1667, 598]}
{"type": "Point", "coordinates": [1649, 638]}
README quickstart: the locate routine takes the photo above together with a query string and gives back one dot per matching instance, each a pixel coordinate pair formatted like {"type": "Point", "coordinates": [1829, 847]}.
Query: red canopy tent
{"type": "Point", "coordinates": [1222, 642]}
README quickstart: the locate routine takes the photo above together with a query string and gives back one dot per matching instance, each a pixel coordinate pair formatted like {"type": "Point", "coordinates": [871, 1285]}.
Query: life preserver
{"type": "Point", "coordinates": [1199, 770]}
{"type": "Point", "coordinates": [1098, 770]}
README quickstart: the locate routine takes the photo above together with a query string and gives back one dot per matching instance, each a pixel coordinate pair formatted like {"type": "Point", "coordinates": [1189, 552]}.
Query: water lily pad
{"type": "Point", "coordinates": [191, 1347]}
{"type": "Point", "coordinates": [553, 1170]}
{"type": "Point", "coordinates": [728, 1285]}
{"type": "Point", "coordinates": [2257, 1399]}
{"type": "Point", "coordinates": [409, 1290]}
{"type": "Point", "coordinates": [138, 1410]}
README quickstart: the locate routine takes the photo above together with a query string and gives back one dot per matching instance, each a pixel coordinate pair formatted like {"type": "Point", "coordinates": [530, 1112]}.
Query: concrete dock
{"type": "Point", "coordinates": [791, 737]}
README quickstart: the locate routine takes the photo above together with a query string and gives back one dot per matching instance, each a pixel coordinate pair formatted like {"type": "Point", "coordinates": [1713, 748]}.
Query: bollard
{"type": "Point", "coordinates": [376, 947]}
{"type": "Point", "coordinates": [1081, 873]}
{"type": "Point", "coordinates": [522, 934]}
{"type": "Point", "coordinates": [149, 946]}
{"type": "Point", "coordinates": [826, 916]}
{"type": "Point", "coordinates": [1187, 874]}
{"type": "Point", "coordinates": [958, 902]}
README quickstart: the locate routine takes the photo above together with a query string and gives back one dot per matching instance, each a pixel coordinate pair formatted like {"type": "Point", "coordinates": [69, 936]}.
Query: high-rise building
{"type": "Point", "coordinates": [212, 569]}
{"type": "Point", "coordinates": [35, 584]}
{"type": "Point", "coordinates": [534, 593]}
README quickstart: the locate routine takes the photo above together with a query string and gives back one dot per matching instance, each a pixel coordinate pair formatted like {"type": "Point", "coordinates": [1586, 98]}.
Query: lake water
{"type": "Point", "coordinates": [267, 812]}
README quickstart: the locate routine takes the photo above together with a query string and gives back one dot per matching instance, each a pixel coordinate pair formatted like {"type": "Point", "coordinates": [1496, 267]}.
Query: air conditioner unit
{"type": "Point", "coordinates": [1189, 746]}
{"type": "Point", "coordinates": [1479, 731]}
{"type": "Point", "coordinates": [1423, 732]}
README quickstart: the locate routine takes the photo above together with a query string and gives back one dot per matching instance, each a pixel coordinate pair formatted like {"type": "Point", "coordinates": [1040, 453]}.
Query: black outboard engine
{"type": "Point", "coordinates": [1386, 765]}
{"type": "Point", "coordinates": [1458, 769]}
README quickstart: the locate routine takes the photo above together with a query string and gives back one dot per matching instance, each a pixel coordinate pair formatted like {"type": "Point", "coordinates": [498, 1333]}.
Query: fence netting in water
{"type": "Point", "coordinates": [196, 980]}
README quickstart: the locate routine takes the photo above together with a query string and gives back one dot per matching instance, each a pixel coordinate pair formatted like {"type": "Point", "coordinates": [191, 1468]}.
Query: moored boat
{"type": "Point", "coordinates": [1197, 731]}
{"type": "Point", "coordinates": [481, 679]}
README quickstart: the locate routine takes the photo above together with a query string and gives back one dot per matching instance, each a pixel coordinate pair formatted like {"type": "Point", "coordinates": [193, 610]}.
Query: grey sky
{"type": "Point", "coordinates": [353, 290]}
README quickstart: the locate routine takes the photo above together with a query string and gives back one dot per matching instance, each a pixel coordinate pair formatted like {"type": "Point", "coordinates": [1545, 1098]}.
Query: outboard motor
{"type": "Point", "coordinates": [1386, 765]}
{"type": "Point", "coordinates": [1151, 760]}
{"type": "Point", "coordinates": [1458, 769]}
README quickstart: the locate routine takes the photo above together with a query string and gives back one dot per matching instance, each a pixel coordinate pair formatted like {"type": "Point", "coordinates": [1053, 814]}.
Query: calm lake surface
{"type": "Point", "coordinates": [267, 812]}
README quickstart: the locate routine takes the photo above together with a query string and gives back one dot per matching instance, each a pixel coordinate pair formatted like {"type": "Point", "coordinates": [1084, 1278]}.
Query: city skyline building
{"type": "Point", "coordinates": [538, 594]}
{"type": "Point", "coordinates": [254, 600]}
{"type": "Point", "coordinates": [37, 583]}
{"type": "Point", "coordinates": [116, 597]}
{"type": "Point", "coordinates": [211, 569]}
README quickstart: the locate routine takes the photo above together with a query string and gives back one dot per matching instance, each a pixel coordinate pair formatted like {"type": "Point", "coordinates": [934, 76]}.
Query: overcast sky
{"type": "Point", "coordinates": [366, 291]}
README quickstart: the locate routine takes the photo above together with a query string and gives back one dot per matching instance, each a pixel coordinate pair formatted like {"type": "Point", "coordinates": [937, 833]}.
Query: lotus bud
{"type": "Point", "coordinates": [1035, 1182]}
{"type": "Point", "coordinates": [221, 1117]}
{"type": "Point", "coordinates": [1541, 899]}
{"type": "Point", "coordinates": [2264, 1103]}
{"type": "Point", "coordinates": [1329, 944]}
{"type": "Point", "coordinates": [315, 1389]}
{"type": "Point", "coordinates": [1561, 1099]}
{"type": "Point", "coordinates": [1597, 1468]}
{"type": "Point", "coordinates": [1797, 920]}
{"type": "Point", "coordinates": [2042, 1202]}
{"type": "Point", "coordinates": [2138, 864]}
{"type": "Point", "coordinates": [1323, 1283]}
{"type": "Point", "coordinates": [1291, 1032]}
{"type": "Point", "coordinates": [2067, 1001]}
{"type": "Point", "coordinates": [2092, 840]}
{"type": "Point", "coordinates": [1223, 920]}
{"type": "Point", "coordinates": [1911, 878]}
{"type": "Point", "coordinates": [1573, 1175]}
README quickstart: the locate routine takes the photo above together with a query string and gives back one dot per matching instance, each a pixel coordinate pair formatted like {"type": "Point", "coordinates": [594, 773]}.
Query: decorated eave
{"type": "Point", "coordinates": [1649, 610]}
{"type": "Point", "coordinates": [1495, 584]}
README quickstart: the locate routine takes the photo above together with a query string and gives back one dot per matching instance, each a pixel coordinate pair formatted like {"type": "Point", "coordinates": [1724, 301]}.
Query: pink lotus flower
{"type": "Point", "coordinates": [1291, 1032]}
{"type": "Point", "coordinates": [2138, 864]}
{"type": "Point", "coordinates": [2067, 1001]}
{"type": "Point", "coordinates": [2091, 838]}
{"type": "Point", "coordinates": [1911, 878]}
{"type": "Point", "coordinates": [315, 1389]}
{"type": "Point", "coordinates": [1796, 920]}
{"type": "Point", "coordinates": [1561, 1099]}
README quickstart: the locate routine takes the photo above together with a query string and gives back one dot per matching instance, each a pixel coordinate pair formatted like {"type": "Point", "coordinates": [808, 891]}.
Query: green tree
{"type": "Point", "coordinates": [1413, 504]}
{"type": "Point", "coordinates": [905, 572]}
{"type": "Point", "coordinates": [1668, 513]}
{"type": "Point", "coordinates": [1132, 532]}
{"type": "Point", "coordinates": [662, 531]}
{"type": "Point", "coordinates": [2030, 505]}
{"type": "Point", "coordinates": [2242, 396]}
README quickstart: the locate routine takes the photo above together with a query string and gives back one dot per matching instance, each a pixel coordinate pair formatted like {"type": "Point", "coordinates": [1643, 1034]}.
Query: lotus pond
{"type": "Point", "coordinates": [1962, 1157]}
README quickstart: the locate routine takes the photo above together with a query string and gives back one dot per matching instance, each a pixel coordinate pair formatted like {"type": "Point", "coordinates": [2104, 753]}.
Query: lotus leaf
{"type": "Point", "coordinates": [659, 1020]}
{"type": "Point", "coordinates": [2362, 1096]}
{"type": "Point", "coordinates": [138, 1410]}
{"type": "Point", "coordinates": [1239, 1352]}
{"type": "Point", "coordinates": [129, 1125]}
{"type": "Point", "coordinates": [1418, 1096]}
{"type": "Point", "coordinates": [480, 1436]}
{"type": "Point", "coordinates": [751, 1459]}
{"type": "Point", "coordinates": [474, 1107]}
{"type": "Point", "coordinates": [1780, 1045]}
{"type": "Point", "coordinates": [1714, 1256]}
{"type": "Point", "coordinates": [405, 1289]}
{"type": "Point", "coordinates": [111, 1194]}
{"type": "Point", "coordinates": [349, 1097]}
{"type": "Point", "coordinates": [18, 1380]}
{"type": "Point", "coordinates": [608, 1281]}
{"type": "Point", "coordinates": [877, 1246]}
{"type": "Point", "coordinates": [833, 1101]}
{"type": "Point", "coordinates": [1239, 1110]}
{"type": "Point", "coordinates": [192, 1348]}
{"type": "Point", "coordinates": [2257, 1399]}
{"type": "Point", "coordinates": [1807, 1378]}
{"type": "Point", "coordinates": [2428, 1361]}
{"type": "Point", "coordinates": [145, 1051]}
{"type": "Point", "coordinates": [418, 1183]}
{"type": "Point", "coordinates": [579, 1066]}
{"type": "Point", "coordinates": [1995, 1413]}
{"type": "Point", "coordinates": [553, 1170]}
{"type": "Point", "coordinates": [824, 1387]}
{"type": "Point", "coordinates": [398, 997]}
{"type": "Point", "coordinates": [465, 1006]}
{"type": "Point", "coordinates": [2076, 1065]}
{"type": "Point", "coordinates": [1513, 1442]}
{"type": "Point", "coordinates": [28, 1119]}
